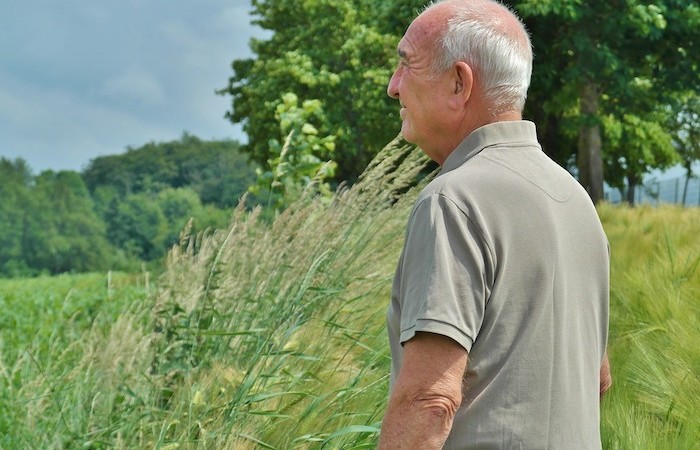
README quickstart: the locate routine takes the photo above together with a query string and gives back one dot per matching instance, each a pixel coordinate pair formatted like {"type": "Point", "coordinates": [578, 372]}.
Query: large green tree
{"type": "Point", "coordinates": [15, 184]}
{"type": "Point", "coordinates": [634, 146]}
{"type": "Point", "coordinates": [182, 206]}
{"type": "Point", "coordinates": [609, 62]}
{"type": "Point", "coordinates": [319, 49]}
{"type": "Point", "coordinates": [603, 71]}
{"type": "Point", "coordinates": [684, 123]}
{"type": "Point", "coordinates": [63, 231]}
{"type": "Point", "coordinates": [216, 170]}
{"type": "Point", "coordinates": [137, 225]}
{"type": "Point", "coordinates": [123, 209]}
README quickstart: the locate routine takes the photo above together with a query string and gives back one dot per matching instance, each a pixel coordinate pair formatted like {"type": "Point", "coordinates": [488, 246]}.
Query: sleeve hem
{"type": "Point", "coordinates": [437, 327]}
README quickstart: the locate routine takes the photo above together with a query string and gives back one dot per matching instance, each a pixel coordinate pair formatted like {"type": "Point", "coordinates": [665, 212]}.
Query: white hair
{"type": "Point", "coordinates": [500, 57]}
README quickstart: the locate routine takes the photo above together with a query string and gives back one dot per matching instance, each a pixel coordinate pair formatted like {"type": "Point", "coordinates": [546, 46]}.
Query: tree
{"type": "Point", "coordinates": [216, 170]}
{"type": "Point", "coordinates": [62, 232]}
{"type": "Point", "coordinates": [137, 225]}
{"type": "Point", "coordinates": [297, 165]}
{"type": "Point", "coordinates": [685, 125]}
{"type": "Point", "coordinates": [607, 59]}
{"type": "Point", "coordinates": [147, 195]}
{"type": "Point", "coordinates": [179, 206]}
{"type": "Point", "coordinates": [597, 64]}
{"type": "Point", "coordinates": [15, 199]}
{"type": "Point", "coordinates": [319, 49]}
{"type": "Point", "coordinates": [393, 17]}
{"type": "Point", "coordinates": [634, 146]}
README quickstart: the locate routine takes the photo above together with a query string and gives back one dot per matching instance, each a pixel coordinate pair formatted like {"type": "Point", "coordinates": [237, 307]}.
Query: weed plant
{"type": "Point", "coordinates": [271, 335]}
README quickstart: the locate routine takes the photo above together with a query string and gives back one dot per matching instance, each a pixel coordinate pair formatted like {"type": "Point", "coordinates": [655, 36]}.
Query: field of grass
{"type": "Point", "coordinates": [272, 336]}
{"type": "Point", "coordinates": [655, 328]}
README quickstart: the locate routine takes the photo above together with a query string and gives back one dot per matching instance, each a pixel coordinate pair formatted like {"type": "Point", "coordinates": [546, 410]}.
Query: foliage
{"type": "Point", "coordinates": [14, 198]}
{"type": "Point", "coordinates": [631, 56]}
{"type": "Point", "coordinates": [145, 225]}
{"type": "Point", "coordinates": [64, 232]}
{"type": "Point", "coordinates": [297, 165]}
{"type": "Point", "coordinates": [393, 17]}
{"type": "Point", "coordinates": [147, 195]}
{"type": "Point", "coordinates": [598, 64]}
{"type": "Point", "coordinates": [122, 210]}
{"type": "Point", "coordinates": [138, 225]}
{"type": "Point", "coordinates": [684, 123]}
{"type": "Point", "coordinates": [627, 163]}
{"type": "Point", "coordinates": [182, 208]}
{"type": "Point", "coordinates": [319, 49]}
{"type": "Point", "coordinates": [215, 170]}
{"type": "Point", "coordinates": [49, 224]}
{"type": "Point", "coordinates": [273, 335]}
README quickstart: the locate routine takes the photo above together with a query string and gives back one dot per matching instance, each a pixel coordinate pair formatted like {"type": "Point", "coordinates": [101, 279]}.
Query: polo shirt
{"type": "Point", "coordinates": [505, 254]}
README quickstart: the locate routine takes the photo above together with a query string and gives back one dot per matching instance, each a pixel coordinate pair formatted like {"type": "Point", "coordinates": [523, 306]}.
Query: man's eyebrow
{"type": "Point", "coordinates": [402, 53]}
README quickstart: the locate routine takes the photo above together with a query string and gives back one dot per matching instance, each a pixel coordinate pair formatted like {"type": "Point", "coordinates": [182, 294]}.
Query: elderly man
{"type": "Point", "coordinates": [499, 311]}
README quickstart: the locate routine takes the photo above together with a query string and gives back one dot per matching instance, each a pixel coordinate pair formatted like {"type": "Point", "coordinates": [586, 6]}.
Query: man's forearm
{"type": "Point", "coordinates": [421, 423]}
{"type": "Point", "coordinates": [427, 394]}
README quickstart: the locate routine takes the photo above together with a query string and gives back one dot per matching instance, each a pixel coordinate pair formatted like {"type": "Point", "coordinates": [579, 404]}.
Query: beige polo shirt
{"type": "Point", "coordinates": [505, 254]}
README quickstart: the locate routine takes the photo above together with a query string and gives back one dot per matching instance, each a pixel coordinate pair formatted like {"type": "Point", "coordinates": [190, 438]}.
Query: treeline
{"type": "Point", "coordinates": [121, 210]}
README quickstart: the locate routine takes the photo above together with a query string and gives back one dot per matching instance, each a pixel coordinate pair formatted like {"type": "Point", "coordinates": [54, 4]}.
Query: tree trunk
{"type": "Point", "coordinates": [688, 173]}
{"type": "Point", "coordinates": [632, 182]}
{"type": "Point", "coordinates": [590, 160]}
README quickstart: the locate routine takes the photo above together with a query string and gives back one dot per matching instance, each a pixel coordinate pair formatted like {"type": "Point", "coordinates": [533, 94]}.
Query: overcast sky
{"type": "Point", "coordinates": [82, 78]}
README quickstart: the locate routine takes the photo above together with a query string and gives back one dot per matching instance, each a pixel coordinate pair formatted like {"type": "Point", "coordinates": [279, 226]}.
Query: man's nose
{"type": "Point", "coordinates": [392, 90]}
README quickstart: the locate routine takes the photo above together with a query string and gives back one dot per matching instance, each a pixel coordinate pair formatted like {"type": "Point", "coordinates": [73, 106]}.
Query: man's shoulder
{"type": "Point", "coordinates": [459, 190]}
{"type": "Point", "coordinates": [474, 175]}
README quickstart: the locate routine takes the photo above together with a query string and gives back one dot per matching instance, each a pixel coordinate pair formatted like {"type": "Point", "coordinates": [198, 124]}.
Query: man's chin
{"type": "Point", "coordinates": [407, 135]}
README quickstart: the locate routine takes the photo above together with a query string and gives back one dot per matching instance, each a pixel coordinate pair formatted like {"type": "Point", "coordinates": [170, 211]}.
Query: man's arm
{"type": "Point", "coordinates": [427, 394]}
{"type": "Point", "coordinates": [605, 376]}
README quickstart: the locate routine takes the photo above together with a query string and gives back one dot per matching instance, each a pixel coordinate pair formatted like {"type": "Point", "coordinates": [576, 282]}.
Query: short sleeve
{"type": "Point", "coordinates": [444, 269]}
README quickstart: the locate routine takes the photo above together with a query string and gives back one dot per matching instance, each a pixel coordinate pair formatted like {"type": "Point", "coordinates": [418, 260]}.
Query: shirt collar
{"type": "Point", "coordinates": [497, 133]}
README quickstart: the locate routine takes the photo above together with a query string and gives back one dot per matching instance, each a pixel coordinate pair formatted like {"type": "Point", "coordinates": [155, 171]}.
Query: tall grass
{"type": "Point", "coordinates": [655, 328]}
{"type": "Point", "coordinates": [260, 336]}
{"type": "Point", "coordinates": [282, 326]}
{"type": "Point", "coordinates": [273, 336]}
{"type": "Point", "coordinates": [63, 341]}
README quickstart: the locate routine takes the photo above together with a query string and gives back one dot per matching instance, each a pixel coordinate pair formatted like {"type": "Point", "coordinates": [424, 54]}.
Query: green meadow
{"type": "Point", "coordinates": [271, 335]}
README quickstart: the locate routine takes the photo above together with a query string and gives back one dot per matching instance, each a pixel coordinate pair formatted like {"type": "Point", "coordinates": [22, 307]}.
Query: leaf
{"type": "Point", "coordinates": [257, 441]}
{"type": "Point", "coordinates": [269, 395]}
{"type": "Point", "coordinates": [352, 429]}
{"type": "Point", "coordinates": [251, 332]}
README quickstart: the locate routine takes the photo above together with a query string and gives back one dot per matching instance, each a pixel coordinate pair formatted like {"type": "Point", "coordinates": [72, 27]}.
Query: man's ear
{"type": "Point", "coordinates": [462, 83]}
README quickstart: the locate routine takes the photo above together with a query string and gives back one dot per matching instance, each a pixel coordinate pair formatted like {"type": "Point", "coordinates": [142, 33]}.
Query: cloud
{"type": "Point", "coordinates": [80, 78]}
{"type": "Point", "coordinates": [54, 128]}
{"type": "Point", "coordinates": [135, 84]}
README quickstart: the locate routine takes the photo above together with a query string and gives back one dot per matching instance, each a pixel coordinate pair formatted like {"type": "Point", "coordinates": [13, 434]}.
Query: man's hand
{"type": "Point", "coordinates": [427, 394]}
{"type": "Point", "coordinates": [605, 377]}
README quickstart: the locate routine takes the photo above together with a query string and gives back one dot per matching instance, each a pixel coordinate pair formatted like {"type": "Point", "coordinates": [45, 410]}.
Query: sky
{"type": "Point", "coordinates": [84, 78]}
